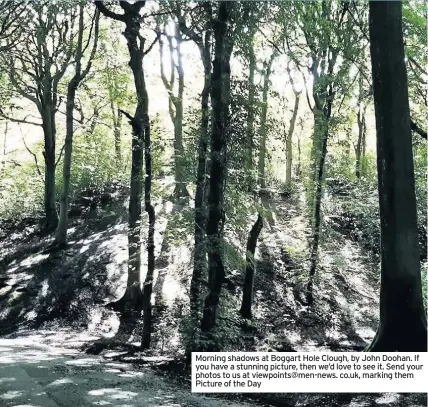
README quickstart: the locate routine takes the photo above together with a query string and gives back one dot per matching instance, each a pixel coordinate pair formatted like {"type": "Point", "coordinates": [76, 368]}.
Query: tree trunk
{"type": "Point", "coordinates": [247, 293]}
{"type": "Point", "coordinates": [298, 169]}
{"type": "Point", "coordinates": [263, 119]}
{"type": "Point", "coordinates": [403, 325]}
{"type": "Point", "coordinates": [199, 261]}
{"type": "Point", "coordinates": [117, 123]}
{"type": "Point", "coordinates": [61, 232]}
{"type": "Point", "coordinates": [180, 176]}
{"type": "Point", "coordinates": [251, 115]}
{"type": "Point", "coordinates": [289, 141]}
{"type": "Point", "coordinates": [220, 95]}
{"type": "Point", "coordinates": [361, 118]}
{"type": "Point", "coordinates": [148, 282]}
{"type": "Point", "coordinates": [49, 130]}
{"type": "Point", "coordinates": [317, 215]}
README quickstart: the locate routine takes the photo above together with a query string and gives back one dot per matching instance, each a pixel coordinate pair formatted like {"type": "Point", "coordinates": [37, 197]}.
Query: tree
{"type": "Point", "coordinates": [79, 75]}
{"type": "Point", "coordinates": [133, 299]}
{"type": "Point", "coordinates": [202, 38]}
{"type": "Point", "coordinates": [403, 325]}
{"type": "Point", "coordinates": [175, 101]}
{"type": "Point", "coordinates": [289, 139]}
{"type": "Point", "coordinates": [267, 70]}
{"type": "Point", "coordinates": [39, 63]}
{"type": "Point", "coordinates": [326, 30]}
{"type": "Point", "coordinates": [11, 23]}
{"type": "Point", "coordinates": [220, 93]}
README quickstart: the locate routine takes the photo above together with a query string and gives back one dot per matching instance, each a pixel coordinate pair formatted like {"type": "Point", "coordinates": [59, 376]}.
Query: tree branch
{"type": "Point", "coordinates": [108, 13]}
{"type": "Point", "coordinates": [60, 155]}
{"type": "Point", "coordinates": [417, 129]}
{"type": "Point", "coordinates": [33, 154]}
{"type": "Point", "coordinates": [24, 121]}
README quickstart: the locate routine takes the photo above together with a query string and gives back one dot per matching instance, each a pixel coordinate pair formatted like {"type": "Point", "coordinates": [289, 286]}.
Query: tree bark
{"type": "Point", "coordinates": [49, 132]}
{"type": "Point", "coordinates": [402, 325]}
{"type": "Point", "coordinates": [361, 121]}
{"type": "Point", "coordinates": [220, 95]}
{"type": "Point", "coordinates": [117, 123]}
{"type": "Point", "coordinates": [148, 282]}
{"type": "Point", "coordinates": [289, 141]}
{"type": "Point", "coordinates": [251, 112]}
{"type": "Point", "coordinates": [263, 120]}
{"type": "Point", "coordinates": [61, 232]}
{"type": "Point", "coordinates": [247, 293]}
{"type": "Point", "coordinates": [199, 261]}
{"type": "Point", "coordinates": [180, 176]}
{"type": "Point", "coordinates": [317, 216]}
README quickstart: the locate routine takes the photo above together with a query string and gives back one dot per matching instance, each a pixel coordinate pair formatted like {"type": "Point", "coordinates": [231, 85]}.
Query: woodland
{"type": "Point", "coordinates": [215, 176]}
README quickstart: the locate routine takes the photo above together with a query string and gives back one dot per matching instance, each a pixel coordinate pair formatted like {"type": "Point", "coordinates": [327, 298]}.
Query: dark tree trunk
{"type": "Point", "coordinates": [317, 217]}
{"type": "Point", "coordinates": [148, 282]}
{"type": "Point", "coordinates": [61, 232]}
{"type": "Point", "coordinates": [289, 141]}
{"type": "Point", "coordinates": [220, 95]}
{"type": "Point", "coordinates": [49, 130]}
{"type": "Point", "coordinates": [180, 176]}
{"type": "Point", "coordinates": [247, 294]}
{"type": "Point", "coordinates": [263, 123]}
{"type": "Point", "coordinates": [199, 262]}
{"type": "Point", "coordinates": [403, 325]}
{"type": "Point", "coordinates": [251, 113]}
{"type": "Point", "coordinates": [117, 124]}
{"type": "Point", "coordinates": [361, 121]}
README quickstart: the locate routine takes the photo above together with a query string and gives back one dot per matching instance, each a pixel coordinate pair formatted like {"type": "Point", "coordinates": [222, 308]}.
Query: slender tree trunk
{"type": "Point", "coordinates": [403, 324]}
{"type": "Point", "coordinates": [148, 282]}
{"type": "Point", "coordinates": [220, 94]}
{"type": "Point", "coordinates": [317, 215]}
{"type": "Point", "coordinates": [49, 130]}
{"type": "Point", "coordinates": [117, 123]}
{"type": "Point", "coordinates": [359, 149]}
{"type": "Point", "coordinates": [361, 124]}
{"type": "Point", "coordinates": [289, 141]}
{"type": "Point", "coordinates": [61, 232]}
{"type": "Point", "coordinates": [3, 161]}
{"type": "Point", "coordinates": [180, 176]}
{"type": "Point", "coordinates": [247, 294]}
{"type": "Point", "coordinates": [263, 122]}
{"type": "Point", "coordinates": [251, 113]}
{"type": "Point", "coordinates": [199, 262]}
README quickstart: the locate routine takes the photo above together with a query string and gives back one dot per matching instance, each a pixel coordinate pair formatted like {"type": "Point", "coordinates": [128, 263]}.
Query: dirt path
{"type": "Point", "coordinates": [39, 375]}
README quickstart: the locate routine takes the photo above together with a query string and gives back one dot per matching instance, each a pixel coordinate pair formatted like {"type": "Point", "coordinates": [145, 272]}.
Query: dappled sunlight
{"type": "Point", "coordinates": [83, 362]}
{"type": "Point", "coordinates": [61, 382]}
{"type": "Point", "coordinates": [115, 393]}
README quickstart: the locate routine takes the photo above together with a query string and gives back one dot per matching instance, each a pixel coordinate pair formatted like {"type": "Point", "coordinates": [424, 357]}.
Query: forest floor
{"type": "Point", "coordinates": [52, 303]}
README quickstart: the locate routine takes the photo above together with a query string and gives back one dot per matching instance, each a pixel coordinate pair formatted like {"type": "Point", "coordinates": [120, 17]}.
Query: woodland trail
{"type": "Point", "coordinates": [39, 375]}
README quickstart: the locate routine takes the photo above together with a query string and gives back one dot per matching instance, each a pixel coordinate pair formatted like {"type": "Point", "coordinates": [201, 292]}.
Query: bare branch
{"type": "Point", "coordinates": [33, 154]}
{"type": "Point", "coordinates": [108, 13]}
{"type": "Point", "coordinates": [23, 121]}
{"type": "Point", "coordinates": [60, 155]}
